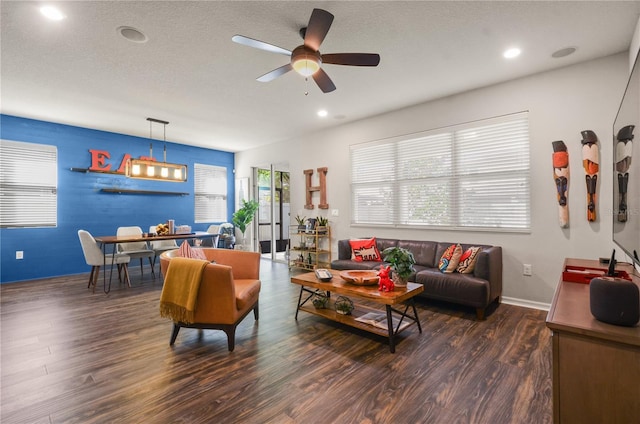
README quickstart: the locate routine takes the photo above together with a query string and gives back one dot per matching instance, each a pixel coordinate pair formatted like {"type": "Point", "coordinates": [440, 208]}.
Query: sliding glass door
{"type": "Point", "coordinates": [273, 213]}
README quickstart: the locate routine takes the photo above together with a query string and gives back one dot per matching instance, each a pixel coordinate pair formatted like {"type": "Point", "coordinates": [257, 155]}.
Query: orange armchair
{"type": "Point", "coordinates": [229, 290]}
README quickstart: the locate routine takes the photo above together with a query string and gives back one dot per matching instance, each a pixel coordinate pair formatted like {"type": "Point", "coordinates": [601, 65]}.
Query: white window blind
{"type": "Point", "coordinates": [28, 184]}
{"type": "Point", "coordinates": [210, 193]}
{"type": "Point", "coordinates": [474, 175]}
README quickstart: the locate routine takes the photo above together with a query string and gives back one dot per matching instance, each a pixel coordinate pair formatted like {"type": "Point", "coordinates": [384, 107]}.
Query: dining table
{"type": "Point", "coordinates": [114, 240]}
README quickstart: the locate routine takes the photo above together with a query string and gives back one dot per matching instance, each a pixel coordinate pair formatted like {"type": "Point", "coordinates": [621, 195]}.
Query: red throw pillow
{"type": "Point", "coordinates": [186, 251]}
{"type": "Point", "coordinates": [468, 260]}
{"type": "Point", "coordinates": [365, 250]}
{"type": "Point", "coordinates": [450, 258]}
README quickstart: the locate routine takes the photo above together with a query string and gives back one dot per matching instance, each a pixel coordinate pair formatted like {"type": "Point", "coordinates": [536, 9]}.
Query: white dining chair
{"type": "Point", "coordinates": [137, 249]}
{"type": "Point", "coordinates": [212, 241]}
{"type": "Point", "coordinates": [94, 256]}
{"type": "Point", "coordinates": [159, 246]}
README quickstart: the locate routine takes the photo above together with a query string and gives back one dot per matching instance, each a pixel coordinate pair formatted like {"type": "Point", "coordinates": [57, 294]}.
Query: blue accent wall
{"type": "Point", "coordinates": [56, 251]}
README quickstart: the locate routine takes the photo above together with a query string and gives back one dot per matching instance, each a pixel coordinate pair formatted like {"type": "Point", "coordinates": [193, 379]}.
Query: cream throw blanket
{"type": "Point", "coordinates": [180, 290]}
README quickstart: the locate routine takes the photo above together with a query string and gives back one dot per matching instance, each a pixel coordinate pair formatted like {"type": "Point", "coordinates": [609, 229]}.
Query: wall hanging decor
{"type": "Point", "coordinates": [590, 162]}
{"type": "Point", "coordinates": [322, 188]}
{"type": "Point", "coordinates": [624, 148]}
{"type": "Point", "coordinates": [560, 158]}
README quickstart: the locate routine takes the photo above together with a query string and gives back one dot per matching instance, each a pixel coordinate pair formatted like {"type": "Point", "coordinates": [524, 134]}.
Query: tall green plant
{"type": "Point", "coordinates": [243, 216]}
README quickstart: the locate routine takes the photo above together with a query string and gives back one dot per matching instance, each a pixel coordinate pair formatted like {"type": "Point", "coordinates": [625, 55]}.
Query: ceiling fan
{"type": "Point", "coordinates": [306, 58]}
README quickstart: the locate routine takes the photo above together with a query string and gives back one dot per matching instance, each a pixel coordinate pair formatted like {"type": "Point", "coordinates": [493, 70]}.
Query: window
{"type": "Point", "coordinates": [28, 185]}
{"type": "Point", "coordinates": [474, 175]}
{"type": "Point", "coordinates": [210, 193]}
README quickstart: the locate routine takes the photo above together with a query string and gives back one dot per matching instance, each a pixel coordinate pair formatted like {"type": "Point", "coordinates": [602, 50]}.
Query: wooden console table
{"type": "Point", "coordinates": [596, 366]}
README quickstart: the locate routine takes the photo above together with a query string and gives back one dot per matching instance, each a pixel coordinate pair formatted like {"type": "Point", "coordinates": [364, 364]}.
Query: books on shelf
{"type": "Point", "coordinates": [378, 319]}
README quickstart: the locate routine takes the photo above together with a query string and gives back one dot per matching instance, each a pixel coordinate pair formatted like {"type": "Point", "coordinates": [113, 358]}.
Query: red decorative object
{"type": "Point", "coordinates": [584, 275]}
{"type": "Point", "coordinates": [365, 250]}
{"type": "Point", "coordinates": [385, 284]}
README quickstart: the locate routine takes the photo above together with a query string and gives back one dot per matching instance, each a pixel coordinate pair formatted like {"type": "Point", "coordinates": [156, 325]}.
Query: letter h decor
{"type": "Point", "coordinates": [322, 188]}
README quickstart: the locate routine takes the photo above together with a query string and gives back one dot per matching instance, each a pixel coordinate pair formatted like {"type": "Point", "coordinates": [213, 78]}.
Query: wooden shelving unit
{"type": "Point", "coordinates": [309, 249]}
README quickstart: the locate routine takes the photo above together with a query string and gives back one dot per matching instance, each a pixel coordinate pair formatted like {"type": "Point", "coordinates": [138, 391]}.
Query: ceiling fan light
{"type": "Point", "coordinates": [306, 66]}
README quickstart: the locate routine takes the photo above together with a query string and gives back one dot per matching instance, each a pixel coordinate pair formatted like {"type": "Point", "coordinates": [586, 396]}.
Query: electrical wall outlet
{"type": "Point", "coordinates": [334, 212]}
{"type": "Point", "coordinates": [527, 270]}
{"type": "Point", "coordinates": [19, 254]}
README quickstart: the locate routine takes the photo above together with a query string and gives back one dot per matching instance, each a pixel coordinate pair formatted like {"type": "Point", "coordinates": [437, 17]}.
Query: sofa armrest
{"type": "Point", "coordinates": [344, 250]}
{"type": "Point", "coordinates": [489, 267]}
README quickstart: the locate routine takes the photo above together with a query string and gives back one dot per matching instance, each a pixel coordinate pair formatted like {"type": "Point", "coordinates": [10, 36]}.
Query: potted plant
{"type": "Point", "coordinates": [301, 222]}
{"type": "Point", "coordinates": [401, 261]}
{"type": "Point", "coordinates": [343, 305]}
{"type": "Point", "coordinates": [320, 300]}
{"type": "Point", "coordinates": [243, 216]}
{"type": "Point", "coordinates": [321, 224]}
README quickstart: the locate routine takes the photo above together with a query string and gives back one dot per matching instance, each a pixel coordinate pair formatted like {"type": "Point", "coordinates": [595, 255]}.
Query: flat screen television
{"type": "Point", "coordinates": [626, 169]}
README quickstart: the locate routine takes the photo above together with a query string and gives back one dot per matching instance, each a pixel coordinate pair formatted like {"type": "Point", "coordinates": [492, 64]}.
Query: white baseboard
{"type": "Point", "coordinates": [526, 303]}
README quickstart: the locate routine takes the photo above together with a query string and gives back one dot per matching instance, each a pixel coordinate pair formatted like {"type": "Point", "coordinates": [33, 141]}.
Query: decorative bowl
{"type": "Point", "coordinates": [360, 277]}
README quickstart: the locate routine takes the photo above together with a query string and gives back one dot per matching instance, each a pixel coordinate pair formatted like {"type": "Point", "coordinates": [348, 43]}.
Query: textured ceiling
{"type": "Point", "coordinates": [81, 71]}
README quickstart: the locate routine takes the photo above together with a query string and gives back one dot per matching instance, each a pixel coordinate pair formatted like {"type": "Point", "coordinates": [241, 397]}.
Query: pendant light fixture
{"type": "Point", "coordinates": [150, 169]}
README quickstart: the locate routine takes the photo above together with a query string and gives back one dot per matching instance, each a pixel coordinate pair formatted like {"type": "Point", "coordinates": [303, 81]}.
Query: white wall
{"type": "Point", "coordinates": [635, 45]}
{"type": "Point", "coordinates": [561, 104]}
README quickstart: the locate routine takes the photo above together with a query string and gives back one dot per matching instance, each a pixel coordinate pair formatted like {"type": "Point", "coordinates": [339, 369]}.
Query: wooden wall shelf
{"type": "Point", "coordinates": [87, 170]}
{"type": "Point", "coordinates": [130, 191]}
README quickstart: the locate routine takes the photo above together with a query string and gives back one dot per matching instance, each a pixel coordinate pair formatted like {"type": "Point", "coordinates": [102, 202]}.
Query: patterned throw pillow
{"type": "Point", "coordinates": [468, 260]}
{"type": "Point", "coordinates": [186, 251]}
{"type": "Point", "coordinates": [365, 250]}
{"type": "Point", "coordinates": [450, 258]}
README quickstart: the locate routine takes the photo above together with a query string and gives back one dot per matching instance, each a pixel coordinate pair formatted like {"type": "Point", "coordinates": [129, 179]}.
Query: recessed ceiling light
{"type": "Point", "coordinates": [132, 34]}
{"type": "Point", "coordinates": [511, 53]}
{"type": "Point", "coordinates": [53, 13]}
{"type": "Point", "coordinates": [564, 52]}
{"type": "Point", "coordinates": [322, 113]}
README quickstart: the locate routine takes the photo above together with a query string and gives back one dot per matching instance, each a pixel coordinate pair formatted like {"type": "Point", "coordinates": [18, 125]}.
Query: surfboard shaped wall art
{"type": "Point", "coordinates": [591, 164]}
{"type": "Point", "coordinates": [624, 148]}
{"type": "Point", "coordinates": [560, 158]}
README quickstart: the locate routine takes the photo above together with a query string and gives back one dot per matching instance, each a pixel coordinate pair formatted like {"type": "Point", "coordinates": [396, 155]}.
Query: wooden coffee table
{"type": "Point", "coordinates": [309, 283]}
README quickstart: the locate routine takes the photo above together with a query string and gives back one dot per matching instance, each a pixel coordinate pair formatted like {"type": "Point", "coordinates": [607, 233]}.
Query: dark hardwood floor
{"type": "Point", "coordinates": [71, 356]}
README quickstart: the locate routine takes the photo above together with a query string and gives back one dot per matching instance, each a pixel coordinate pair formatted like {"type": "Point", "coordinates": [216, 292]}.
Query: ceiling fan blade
{"type": "Point", "coordinates": [319, 24]}
{"type": "Point", "coordinates": [250, 42]}
{"type": "Point", "coordinates": [270, 76]}
{"type": "Point", "coordinates": [352, 59]}
{"type": "Point", "coordinates": [324, 82]}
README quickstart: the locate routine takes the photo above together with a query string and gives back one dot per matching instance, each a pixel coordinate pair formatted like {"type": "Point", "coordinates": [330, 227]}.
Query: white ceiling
{"type": "Point", "coordinates": [81, 71]}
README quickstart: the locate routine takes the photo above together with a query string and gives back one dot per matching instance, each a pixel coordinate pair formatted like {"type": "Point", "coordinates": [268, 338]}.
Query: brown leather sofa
{"type": "Point", "coordinates": [478, 289]}
{"type": "Point", "coordinates": [229, 290]}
